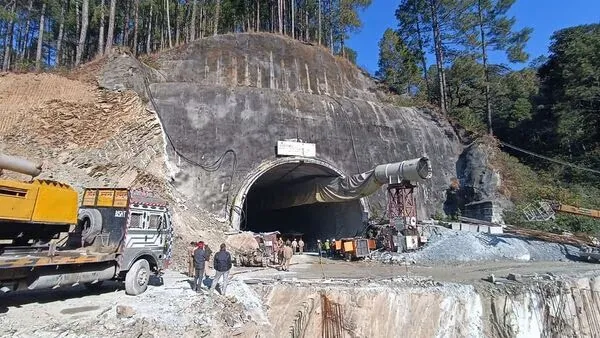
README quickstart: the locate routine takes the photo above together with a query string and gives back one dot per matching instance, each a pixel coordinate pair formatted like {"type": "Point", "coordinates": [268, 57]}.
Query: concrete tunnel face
{"type": "Point", "coordinates": [311, 221]}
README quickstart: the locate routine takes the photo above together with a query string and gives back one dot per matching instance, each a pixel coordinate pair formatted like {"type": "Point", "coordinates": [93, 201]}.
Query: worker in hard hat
{"type": "Point", "coordinates": [333, 247]}
{"type": "Point", "coordinates": [327, 247]}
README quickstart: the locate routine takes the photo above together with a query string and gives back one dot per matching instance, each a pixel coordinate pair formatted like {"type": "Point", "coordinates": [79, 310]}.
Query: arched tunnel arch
{"type": "Point", "coordinates": [311, 221]}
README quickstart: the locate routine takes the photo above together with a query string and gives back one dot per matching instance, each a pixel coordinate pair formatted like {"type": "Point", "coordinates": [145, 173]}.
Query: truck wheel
{"type": "Point", "coordinates": [136, 279]}
{"type": "Point", "coordinates": [90, 224]}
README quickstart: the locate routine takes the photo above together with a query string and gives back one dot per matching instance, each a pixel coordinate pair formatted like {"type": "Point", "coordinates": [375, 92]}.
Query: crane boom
{"type": "Point", "coordinates": [576, 210]}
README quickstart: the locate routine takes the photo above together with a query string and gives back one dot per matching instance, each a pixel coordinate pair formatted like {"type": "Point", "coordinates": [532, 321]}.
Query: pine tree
{"type": "Point", "coordinates": [490, 29]}
{"type": "Point", "coordinates": [397, 64]}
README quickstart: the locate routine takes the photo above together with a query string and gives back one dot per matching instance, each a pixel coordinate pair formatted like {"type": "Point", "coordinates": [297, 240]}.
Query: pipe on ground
{"type": "Point", "coordinates": [19, 165]}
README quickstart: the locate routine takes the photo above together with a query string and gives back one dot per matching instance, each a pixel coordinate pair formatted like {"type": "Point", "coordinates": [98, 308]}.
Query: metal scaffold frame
{"type": "Point", "coordinates": [402, 203]}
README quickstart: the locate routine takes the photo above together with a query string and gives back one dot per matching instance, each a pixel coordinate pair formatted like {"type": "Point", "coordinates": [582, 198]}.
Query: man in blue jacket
{"type": "Point", "coordinates": [222, 265]}
{"type": "Point", "coordinates": [200, 258]}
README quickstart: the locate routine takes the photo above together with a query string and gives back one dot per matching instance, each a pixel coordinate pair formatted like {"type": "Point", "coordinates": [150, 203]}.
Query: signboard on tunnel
{"type": "Point", "coordinates": [288, 148]}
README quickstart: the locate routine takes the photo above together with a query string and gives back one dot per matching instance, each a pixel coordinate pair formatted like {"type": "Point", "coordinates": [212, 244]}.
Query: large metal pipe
{"type": "Point", "coordinates": [343, 189]}
{"type": "Point", "coordinates": [413, 170]}
{"type": "Point", "coordinates": [20, 165]}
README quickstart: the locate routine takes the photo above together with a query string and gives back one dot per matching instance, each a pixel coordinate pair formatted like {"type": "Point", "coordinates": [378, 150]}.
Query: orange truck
{"type": "Point", "coordinates": [357, 247]}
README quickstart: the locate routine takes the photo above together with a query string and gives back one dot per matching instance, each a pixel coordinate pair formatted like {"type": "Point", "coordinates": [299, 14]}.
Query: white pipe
{"type": "Point", "coordinates": [414, 170]}
{"type": "Point", "coordinates": [20, 165]}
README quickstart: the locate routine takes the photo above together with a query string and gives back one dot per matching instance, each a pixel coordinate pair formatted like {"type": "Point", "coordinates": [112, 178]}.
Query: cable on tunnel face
{"type": "Point", "coordinates": [351, 133]}
{"type": "Point", "coordinates": [212, 167]}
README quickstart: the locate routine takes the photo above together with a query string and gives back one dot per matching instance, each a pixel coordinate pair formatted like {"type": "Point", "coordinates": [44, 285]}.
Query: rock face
{"type": "Point", "coordinates": [245, 92]}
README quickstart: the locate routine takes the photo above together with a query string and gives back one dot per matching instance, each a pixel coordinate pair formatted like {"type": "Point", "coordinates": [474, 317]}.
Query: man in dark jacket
{"type": "Point", "coordinates": [222, 265]}
{"type": "Point", "coordinates": [200, 258]}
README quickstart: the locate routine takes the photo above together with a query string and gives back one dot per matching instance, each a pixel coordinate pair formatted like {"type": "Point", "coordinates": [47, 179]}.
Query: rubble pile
{"type": "Point", "coordinates": [448, 246]}
{"type": "Point", "coordinates": [169, 310]}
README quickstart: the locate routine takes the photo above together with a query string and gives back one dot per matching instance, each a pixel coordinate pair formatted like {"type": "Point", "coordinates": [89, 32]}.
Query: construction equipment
{"type": "Point", "coordinates": [546, 210]}
{"type": "Point", "coordinates": [46, 241]}
{"type": "Point", "coordinates": [357, 247]}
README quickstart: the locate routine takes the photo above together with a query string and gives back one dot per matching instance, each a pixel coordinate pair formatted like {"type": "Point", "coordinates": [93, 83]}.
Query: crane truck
{"type": "Point", "coordinates": [48, 240]}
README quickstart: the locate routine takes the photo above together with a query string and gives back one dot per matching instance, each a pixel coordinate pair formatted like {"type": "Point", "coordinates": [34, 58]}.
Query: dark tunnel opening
{"type": "Point", "coordinates": [312, 221]}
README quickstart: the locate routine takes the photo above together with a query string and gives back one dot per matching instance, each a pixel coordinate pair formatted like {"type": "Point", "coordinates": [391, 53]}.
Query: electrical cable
{"type": "Point", "coordinates": [216, 165]}
{"type": "Point", "coordinates": [549, 158]}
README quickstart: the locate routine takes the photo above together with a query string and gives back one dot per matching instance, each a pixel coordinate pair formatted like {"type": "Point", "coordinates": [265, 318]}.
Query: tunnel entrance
{"type": "Point", "coordinates": [311, 221]}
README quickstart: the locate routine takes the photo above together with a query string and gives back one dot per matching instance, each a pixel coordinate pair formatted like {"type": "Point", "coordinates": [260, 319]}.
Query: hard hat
{"type": "Point", "coordinates": [333, 239]}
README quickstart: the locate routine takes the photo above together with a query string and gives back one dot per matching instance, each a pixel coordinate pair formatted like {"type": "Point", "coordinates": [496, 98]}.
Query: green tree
{"type": "Point", "coordinates": [397, 64]}
{"type": "Point", "coordinates": [570, 93]}
{"type": "Point", "coordinates": [412, 29]}
{"type": "Point", "coordinates": [488, 28]}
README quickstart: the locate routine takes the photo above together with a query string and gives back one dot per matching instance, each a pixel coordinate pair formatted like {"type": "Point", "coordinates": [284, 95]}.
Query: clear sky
{"type": "Point", "coordinates": [544, 16]}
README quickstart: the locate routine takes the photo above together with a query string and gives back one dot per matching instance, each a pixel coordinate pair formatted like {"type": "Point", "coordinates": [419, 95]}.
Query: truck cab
{"type": "Point", "coordinates": [136, 226]}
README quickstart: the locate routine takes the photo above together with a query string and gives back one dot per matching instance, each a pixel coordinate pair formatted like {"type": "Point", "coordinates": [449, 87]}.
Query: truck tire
{"type": "Point", "coordinates": [90, 224]}
{"type": "Point", "coordinates": [136, 279]}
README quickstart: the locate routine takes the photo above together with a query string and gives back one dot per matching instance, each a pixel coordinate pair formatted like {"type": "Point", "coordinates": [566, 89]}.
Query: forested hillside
{"type": "Point", "coordinates": [550, 107]}
{"type": "Point", "coordinates": [65, 33]}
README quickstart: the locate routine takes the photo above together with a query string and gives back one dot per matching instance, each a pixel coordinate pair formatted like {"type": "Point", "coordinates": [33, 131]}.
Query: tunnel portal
{"type": "Point", "coordinates": [311, 221]}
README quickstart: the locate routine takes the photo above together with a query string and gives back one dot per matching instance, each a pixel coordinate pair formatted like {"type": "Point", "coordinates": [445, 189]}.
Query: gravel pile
{"type": "Point", "coordinates": [447, 245]}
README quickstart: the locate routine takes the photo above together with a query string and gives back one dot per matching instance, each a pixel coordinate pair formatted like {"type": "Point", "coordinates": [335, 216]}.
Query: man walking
{"type": "Point", "coordinates": [191, 250]}
{"type": "Point", "coordinates": [301, 245]}
{"type": "Point", "coordinates": [294, 246]}
{"type": "Point", "coordinates": [287, 257]}
{"type": "Point", "coordinates": [199, 265]}
{"type": "Point", "coordinates": [222, 263]}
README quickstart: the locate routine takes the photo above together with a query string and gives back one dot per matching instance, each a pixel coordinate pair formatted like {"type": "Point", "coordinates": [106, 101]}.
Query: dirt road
{"type": "Point", "coordinates": [309, 266]}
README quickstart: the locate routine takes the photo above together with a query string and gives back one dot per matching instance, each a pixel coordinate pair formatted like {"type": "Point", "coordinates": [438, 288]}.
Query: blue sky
{"type": "Point", "coordinates": [544, 16]}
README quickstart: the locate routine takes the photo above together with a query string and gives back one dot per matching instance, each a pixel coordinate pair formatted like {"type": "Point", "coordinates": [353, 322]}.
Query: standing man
{"type": "Point", "coordinates": [275, 252]}
{"type": "Point", "coordinates": [301, 245]}
{"type": "Point", "coordinates": [294, 246]}
{"type": "Point", "coordinates": [333, 248]}
{"type": "Point", "coordinates": [326, 247]}
{"type": "Point", "coordinates": [287, 257]}
{"type": "Point", "coordinates": [280, 245]}
{"type": "Point", "coordinates": [222, 263]}
{"type": "Point", "coordinates": [199, 264]}
{"type": "Point", "coordinates": [319, 247]}
{"type": "Point", "coordinates": [191, 250]}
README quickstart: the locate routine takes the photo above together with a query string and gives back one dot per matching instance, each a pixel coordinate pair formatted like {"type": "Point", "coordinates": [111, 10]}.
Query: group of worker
{"type": "Point", "coordinates": [284, 250]}
{"type": "Point", "coordinates": [326, 248]}
{"type": "Point", "coordinates": [198, 254]}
